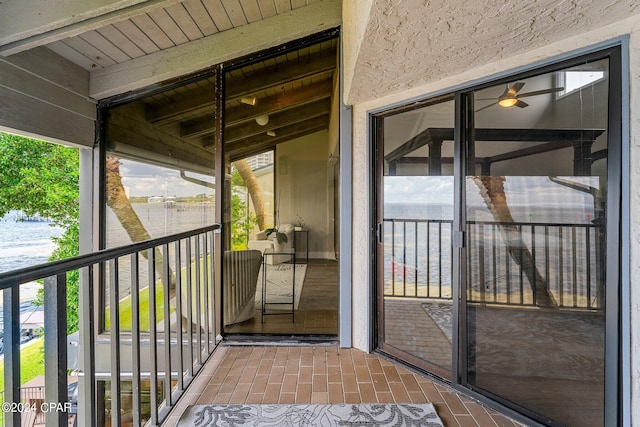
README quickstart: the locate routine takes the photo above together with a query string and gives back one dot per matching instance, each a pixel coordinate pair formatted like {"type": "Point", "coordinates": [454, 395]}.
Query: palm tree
{"type": "Point", "coordinates": [119, 203]}
{"type": "Point", "coordinates": [493, 194]}
{"type": "Point", "coordinates": [254, 189]}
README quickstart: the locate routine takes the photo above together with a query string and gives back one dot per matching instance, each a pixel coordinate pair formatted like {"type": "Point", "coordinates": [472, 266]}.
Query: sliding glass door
{"type": "Point", "coordinates": [497, 239]}
{"type": "Point", "coordinates": [415, 217]}
{"type": "Point", "coordinates": [536, 208]}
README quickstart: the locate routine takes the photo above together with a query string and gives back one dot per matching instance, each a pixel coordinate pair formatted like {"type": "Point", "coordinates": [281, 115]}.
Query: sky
{"type": "Point", "coordinates": [535, 193]}
{"type": "Point", "coordinates": [141, 179]}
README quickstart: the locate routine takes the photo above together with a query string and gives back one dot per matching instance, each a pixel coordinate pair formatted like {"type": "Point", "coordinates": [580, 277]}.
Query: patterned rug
{"type": "Point", "coordinates": [364, 414]}
{"type": "Point", "coordinates": [279, 285]}
{"type": "Point", "coordinates": [440, 312]}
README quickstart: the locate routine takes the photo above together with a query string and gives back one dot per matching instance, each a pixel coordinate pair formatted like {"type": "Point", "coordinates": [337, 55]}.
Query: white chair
{"type": "Point", "coordinates": [240, 273]}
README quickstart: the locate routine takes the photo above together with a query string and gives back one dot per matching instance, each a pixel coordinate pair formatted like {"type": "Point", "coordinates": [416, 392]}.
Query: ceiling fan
{"type": "Point", "coordinates": [511, 97]}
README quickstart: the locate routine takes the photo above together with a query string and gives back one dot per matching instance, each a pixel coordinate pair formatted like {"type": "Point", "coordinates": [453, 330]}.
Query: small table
{"type": "Point", "coordinates": [267, 253]}
{"type": "Point", "coordinates": [295, 240]}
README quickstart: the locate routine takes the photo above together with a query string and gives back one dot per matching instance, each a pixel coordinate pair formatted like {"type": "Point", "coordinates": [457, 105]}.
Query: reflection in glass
{"type": "Point", "coordinates": [417, 220]}
{"type": "Point", "coordinates": [158, 182]}
{"type": "Point", "coordinates": [535, 211]}
{"type": "Point", "coordinates": [280, 154]}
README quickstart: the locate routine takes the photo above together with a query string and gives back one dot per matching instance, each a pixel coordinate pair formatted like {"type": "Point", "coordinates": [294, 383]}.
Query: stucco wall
{"type": "Point", "coordinates": [361, 163]}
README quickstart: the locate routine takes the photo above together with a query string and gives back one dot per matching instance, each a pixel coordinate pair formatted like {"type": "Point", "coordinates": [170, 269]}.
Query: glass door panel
{"type": "Point", "coordinates": [536, 191]}
{"type": "Point", "coordinates": [279, 193]}
{"type": "Point", "coordinates": [416, 215]}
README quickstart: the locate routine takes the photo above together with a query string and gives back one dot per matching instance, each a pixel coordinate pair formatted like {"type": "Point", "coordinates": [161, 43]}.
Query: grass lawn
{"type": "Point", "coordinates": [126, 312]}
{"type": "Point", "coordinates": [31, 362]}
{"type": "Point", "coordinates": [125, 303]}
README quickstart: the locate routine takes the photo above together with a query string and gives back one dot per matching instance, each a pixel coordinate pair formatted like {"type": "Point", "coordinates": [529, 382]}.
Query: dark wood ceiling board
{"type": "Point", "coordinates": [285, 73]}
{"type": "Point", "coordinates": [182, 109]}
{"type": "Point", "coordinates": [277, 121]}
{"type": "Point", "coordinates": [117, 134]}
{"type": "Point", "coordinates": [127, 130]}
{"type": "Point", "coordinates": [244, 113]}
{"type": "Point", "coordinates": [282, 132]}
{"type": "Point", "coordinates": [279, 101]}
{"type": "Point", "coordinates": [264, 142]}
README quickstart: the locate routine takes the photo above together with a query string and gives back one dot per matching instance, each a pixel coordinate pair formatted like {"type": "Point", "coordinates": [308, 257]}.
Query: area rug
{"type": "Point", "coordinates": [440, 312]}
{"type": "Point", "coordinates": [279, 288]}
{"type": "Point", "coordinates": [363, 414]}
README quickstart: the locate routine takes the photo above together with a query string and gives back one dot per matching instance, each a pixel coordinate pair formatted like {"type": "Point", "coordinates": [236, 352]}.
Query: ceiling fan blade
{"type": "Point", "coordinates": [541, 92]}
{"type": "Point", "coordinates": [513, 90]}
{"type": "Point", "coordinates": [521, 104]}
{"type": "Point", "coordinates": [486, 106]}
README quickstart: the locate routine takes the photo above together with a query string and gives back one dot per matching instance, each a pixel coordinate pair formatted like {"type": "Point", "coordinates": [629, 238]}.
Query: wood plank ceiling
{"type": "Point", "coordinates": [291, 92]}
{"type": "Point", "coordinates": [176, 127]}
{"type": "Point", "coordinates": [163, 28]}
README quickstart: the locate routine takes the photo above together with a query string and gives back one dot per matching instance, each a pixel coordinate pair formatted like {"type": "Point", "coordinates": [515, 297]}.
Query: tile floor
{"type": "Point", "coordinates": [324, 374]}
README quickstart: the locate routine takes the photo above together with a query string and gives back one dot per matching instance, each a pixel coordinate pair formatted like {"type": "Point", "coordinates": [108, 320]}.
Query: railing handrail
{"type": "Point", "coordinates": [36, 272]}
{"type": "Point", "coordinates": [516, 223]}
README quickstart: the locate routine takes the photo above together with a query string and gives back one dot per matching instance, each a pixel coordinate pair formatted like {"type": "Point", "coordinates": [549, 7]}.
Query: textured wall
{"type": "Point", "coordinates": [355, 17]}
{"type": "Point", "coordinates": [384, 91]}
{"type": "Point", "coordinates": [413, 42]}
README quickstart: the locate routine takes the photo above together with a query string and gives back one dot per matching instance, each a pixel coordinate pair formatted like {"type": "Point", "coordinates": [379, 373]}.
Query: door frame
{"type": "Point", "coordinates": [617, 347]}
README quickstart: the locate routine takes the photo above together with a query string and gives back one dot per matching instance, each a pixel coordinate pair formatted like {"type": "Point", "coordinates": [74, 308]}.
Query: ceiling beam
{"type": "Point", "coordinates": [202, 101]}
{"type": "Point", "coordinates": [35, 23]}
{"type": "Point", "coordinates": [124, 129]}
{"type": "Point", "coordinates": [277, 121]}
{"type": "Point", "coordinates": [256, 144]}
{"type": "Point", "coordinates": [218, 48]}
{"type": "Point", "coordinates": [494, 134]}
{"type": "Point", "coordinates": [245, 113]}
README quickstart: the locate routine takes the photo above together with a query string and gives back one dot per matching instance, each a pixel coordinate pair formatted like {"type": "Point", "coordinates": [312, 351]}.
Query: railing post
{"type": "Point", "coordinates": [86, 353]}
{"type": "Point", "coordinates": [11, 318]}
{"type": "Point", "coordinates": [114, 341]}
{"type": "Point", "coordinates": [136, 407]}
{"type": "Point", "coordinates": [55, 350]}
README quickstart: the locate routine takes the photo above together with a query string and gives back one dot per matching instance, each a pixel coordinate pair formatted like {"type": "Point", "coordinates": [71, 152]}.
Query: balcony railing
{"type": "Point", "coordinates": [147, 325]}
{"type": "Point", "coordinates": [501, 260]}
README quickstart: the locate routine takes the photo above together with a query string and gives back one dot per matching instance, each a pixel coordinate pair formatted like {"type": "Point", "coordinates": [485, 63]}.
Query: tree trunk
{"type": "Point", "coordinates": [254, 189]}
{"type": "Point", "coordinates": [492, 192]}
{"type": "Point", "coordinates": [119, 203]}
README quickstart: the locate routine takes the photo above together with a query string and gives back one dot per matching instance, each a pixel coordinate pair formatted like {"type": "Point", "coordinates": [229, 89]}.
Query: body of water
{"type": "Point", "coordinates": [24, 244]}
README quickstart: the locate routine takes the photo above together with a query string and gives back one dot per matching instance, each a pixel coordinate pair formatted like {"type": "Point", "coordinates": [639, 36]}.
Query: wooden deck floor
{"type": "Point", "coordinates": [317, 313]}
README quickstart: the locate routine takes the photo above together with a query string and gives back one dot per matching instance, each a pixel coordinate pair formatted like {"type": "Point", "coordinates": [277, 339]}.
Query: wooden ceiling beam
{"type": "Point", "coordinates": [276, 121]}
{"type": "Point", "coordinates": [123, 129]}
{"type": "Point", "coordinates": [245, 113]}
{"type": "Point", "coordinates": [202, 102]}
{"type": "Point", "coordinates": [256, 144]}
